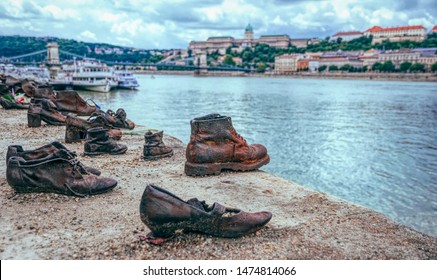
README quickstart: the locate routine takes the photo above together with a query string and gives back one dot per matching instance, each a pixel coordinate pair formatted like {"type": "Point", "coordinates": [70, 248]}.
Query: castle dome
{"type": "Point", "coordinates": [248, 28]}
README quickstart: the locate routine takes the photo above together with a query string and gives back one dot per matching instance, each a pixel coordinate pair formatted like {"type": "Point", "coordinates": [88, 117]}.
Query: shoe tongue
{"type": "Point", "coordinates": [218, 209]}
{"type": "Point", "coordinates": [196, 203]}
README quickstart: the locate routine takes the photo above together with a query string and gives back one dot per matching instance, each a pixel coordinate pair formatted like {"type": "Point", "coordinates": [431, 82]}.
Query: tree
{"type": "Point", "coordinates": [346, 67]}
{"type": "Point", "coordinates": [333, 68]}
{"type": "Point", "coordinates": [365, 68]}
{"type": "Point", "coordinates": [377, 66]}
{"type": "Point", "coordinates": [434, 67]}
{"type": "Point", "coordinates": [417, 67]}
{"type": "Point", "coordinates": [322, 68]}
{"type": "Point", "coordinates": [261, 68]}
{"type": "Point", "coordinates": [405, 66]}
{"type": "Point", "coordinates": [388, 66]}
{"type": "Point", "coordinates": [228, 60]}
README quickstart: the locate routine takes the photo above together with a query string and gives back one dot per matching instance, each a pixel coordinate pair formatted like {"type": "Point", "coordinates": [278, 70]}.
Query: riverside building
{"type": "Point", "coordinates": [221, 43]}
{"type": "Point", "coordinates": [416, 33]}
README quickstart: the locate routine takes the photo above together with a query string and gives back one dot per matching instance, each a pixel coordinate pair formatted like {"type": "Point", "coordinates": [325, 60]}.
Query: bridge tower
{"type": "Point", "coordinates": [53, 63]}
{"type": "Point", "coordinates": [201, 61]}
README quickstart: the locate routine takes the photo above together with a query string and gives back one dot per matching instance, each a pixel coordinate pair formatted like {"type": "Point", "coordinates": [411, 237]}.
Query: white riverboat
{"type": "Point", "coordinates": [126, 79]}
{"type": "Point", "coordinates": [88, 74]}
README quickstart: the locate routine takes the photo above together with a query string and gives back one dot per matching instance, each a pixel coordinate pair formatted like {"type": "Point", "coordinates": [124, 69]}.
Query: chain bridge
{"type": "Point", "coordinates": [53, 56]}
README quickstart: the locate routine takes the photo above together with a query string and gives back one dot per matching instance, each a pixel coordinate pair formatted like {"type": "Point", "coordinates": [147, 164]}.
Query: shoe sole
{"type": "Point", "coordinates": [203, 169]}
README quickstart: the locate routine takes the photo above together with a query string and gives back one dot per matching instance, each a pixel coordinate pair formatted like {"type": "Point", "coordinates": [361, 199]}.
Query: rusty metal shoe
{"type": "Point", "coordinates": [44, 151]}
{"type": "Point", "coordinates": [56, 173]}
{"type": "Point", "coordinates": [76, 128]}
{"type": "Point", "coordinates": [98, 142]}
{"type": "Point", "coordinates": [45, 92]}
{"type": "Point", "coordinates": [215, 146]}
{"type": "Point", "coordinates": [12, 105]}
{"type": "Point", "coordinates": [44, 110]}
{"type": "Point", "coordinates": [154, 148]}
{"type": "Point", "coordinates": [69, 101]}
{"type": "Point", "coordinates": [164, 213]}
{"type": "Point", "coordinates": [29, 87]}
{"type": "Point", "coordinates": [117, 119]}
{"type": "Point", "coordinates": [121, 117]}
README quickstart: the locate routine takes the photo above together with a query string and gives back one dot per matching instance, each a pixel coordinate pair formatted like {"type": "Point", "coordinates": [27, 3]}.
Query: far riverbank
{"type": "Point", "coordinates": [406, 77]}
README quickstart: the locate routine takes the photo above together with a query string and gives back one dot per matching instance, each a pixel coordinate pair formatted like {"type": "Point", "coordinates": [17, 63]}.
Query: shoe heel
{"type": "Point", "coordinates": [33, 120]}
{"type": "Point", "coordinates": [193, 169]}
{"type": "Point", "coordinates": [73, 134]}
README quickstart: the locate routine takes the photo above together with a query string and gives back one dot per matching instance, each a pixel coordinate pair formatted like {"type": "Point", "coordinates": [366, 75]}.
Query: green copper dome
{"type": "Point", "coordinates": [249, 28]}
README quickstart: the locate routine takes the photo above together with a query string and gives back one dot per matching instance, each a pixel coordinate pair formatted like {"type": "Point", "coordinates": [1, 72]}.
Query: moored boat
{"type": "Point", "coordinates": [88, 74]}
{"type": "Point", "coordinates": [126, 80]}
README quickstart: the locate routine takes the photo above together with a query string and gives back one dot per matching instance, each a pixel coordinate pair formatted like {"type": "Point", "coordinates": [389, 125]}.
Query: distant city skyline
{"type": "Point", "coordinates": [166, 24]}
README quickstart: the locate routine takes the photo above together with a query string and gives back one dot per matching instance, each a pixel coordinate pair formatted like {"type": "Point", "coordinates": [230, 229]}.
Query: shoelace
{"type": "Point", "coordinates": [239, 136]}
{"type": "Point", "coordinates": [77, 166]}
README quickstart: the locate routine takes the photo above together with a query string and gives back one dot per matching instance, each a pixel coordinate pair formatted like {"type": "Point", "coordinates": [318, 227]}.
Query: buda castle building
{"type": "Point", "coordinates": [221, 43]}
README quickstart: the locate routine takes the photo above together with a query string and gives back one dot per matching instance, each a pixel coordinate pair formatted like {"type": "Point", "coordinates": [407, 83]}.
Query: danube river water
{"type": "Point", "coordinates": [373, 143]}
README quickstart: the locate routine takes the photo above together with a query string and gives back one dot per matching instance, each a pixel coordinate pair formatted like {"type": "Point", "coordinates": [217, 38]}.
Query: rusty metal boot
{"type": "Point", "coordinates": [44, 151]}
{"type": "Point", "coordinates": [29, 87]}
{"type": "Point", "coordinates": [56, 173]}
{"type": "Point", "coordinates": [98, 142]}
{"type": "Point", "coordinates": [45, 92]}
{"type": "Point", "coordinates": [44, 109]}
{"type": "Point", "coordinates": [215, 146]}
{"type": "Point", "coordinates": [117, 119]}
{"type": "Point", "coordinates": [154, 148]}
{"type": "Point", "coordinates": [164, 213]}
{"type": "Point", "coordinates": [122, 120]}
{"type": "Point", "coordinates": [76, 128]}
{"type": "Point", "coordinates": [70, 101]}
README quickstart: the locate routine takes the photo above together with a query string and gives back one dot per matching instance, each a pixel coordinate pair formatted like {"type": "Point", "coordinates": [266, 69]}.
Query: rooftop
{"type": "Point", "coordinates": [376, 29]}
{"type": "Point", "coordinates": [349, 33]}
{"type": "Point", "coordinates": [279, 35]}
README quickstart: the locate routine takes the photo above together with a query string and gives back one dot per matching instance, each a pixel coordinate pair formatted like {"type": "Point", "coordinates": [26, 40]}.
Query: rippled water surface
{"type": "Point", "coordinates": [370, 142]}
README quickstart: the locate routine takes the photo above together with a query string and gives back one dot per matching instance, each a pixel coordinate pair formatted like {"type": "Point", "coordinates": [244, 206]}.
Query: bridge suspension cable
{"type": "Point", "coordinates": [25, 55]}
{"type": "Point", "coordinates": [72, 54]}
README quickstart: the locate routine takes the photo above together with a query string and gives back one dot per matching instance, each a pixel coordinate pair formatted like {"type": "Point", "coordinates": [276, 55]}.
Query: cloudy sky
{"type": "Point", "coordinates": [166, 24]}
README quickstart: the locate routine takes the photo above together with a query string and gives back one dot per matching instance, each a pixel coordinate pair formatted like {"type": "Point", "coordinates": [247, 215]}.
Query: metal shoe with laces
{"type": "Point", "coordinates": [154, 148]}
{"type": "Point", "coordinates": [57, 173]}
{"type": "Point", "coordinates": [98, 142]}
{"type": "Point", "coordinates": [215, 145]}
{"type": "Point", "coordinates": [44, 151]}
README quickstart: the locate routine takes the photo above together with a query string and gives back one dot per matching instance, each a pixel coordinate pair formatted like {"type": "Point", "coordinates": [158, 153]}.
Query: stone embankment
{"type": "Point", "coordinates": [406, 77]}
{"type": "Point", "coordinates": [306, 224]}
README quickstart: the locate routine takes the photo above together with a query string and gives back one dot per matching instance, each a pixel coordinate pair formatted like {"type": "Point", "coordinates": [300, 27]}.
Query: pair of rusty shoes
{"type": "Point", "coordinates": [214, 146]}
{"type": "Point", "coordinates": [52, 107]}
{"type": "Point", "coordinates": [53, 168]}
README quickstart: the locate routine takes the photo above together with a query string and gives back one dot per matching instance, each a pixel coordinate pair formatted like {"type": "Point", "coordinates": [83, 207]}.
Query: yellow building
{"type": "Point", "coordinates": [287, 63]}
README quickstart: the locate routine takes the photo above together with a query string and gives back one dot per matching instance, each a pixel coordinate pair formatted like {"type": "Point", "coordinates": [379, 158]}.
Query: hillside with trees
{"type": "Point", "coordinates": [17, 45]}
{"type": "Point", "coordinates": [262, 53]}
